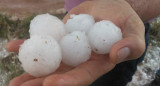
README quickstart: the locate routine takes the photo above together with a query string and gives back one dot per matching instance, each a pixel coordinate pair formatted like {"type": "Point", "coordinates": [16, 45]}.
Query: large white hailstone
{"type": "Point", "coordinates": [46, 24]}
{"type": "Point", "coordinates": [103, 35]}
{"type": "Point", "coordinates": [75, 48]}
{"type": "Point", "coordinates": [40, 55]}
{"type": "Point", "coordinates": [81, 22]}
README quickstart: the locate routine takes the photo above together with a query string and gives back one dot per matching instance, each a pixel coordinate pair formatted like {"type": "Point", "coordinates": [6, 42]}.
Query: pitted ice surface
{"type": "Point", "coordinates": [103, 36]}
{"type": "Point", "coordinates": [46, 24]}
{"type": "Point", "coordinates": [75, 48]}
{"type": "Point", "coordinates": [40, 55]}
{"type": "Point", "coordinates": [81, 22]}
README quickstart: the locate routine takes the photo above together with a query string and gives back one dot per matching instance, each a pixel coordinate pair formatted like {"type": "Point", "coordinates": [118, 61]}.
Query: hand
{"type": "Point", "coordinates": [121, 13]}
{"type": "Point", "coordinates": [82, 75]}
{"type": "Point", "coordinates": [117, 11]}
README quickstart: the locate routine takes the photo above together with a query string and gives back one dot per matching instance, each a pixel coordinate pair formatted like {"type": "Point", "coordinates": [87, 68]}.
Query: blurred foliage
{"type": "Point", "coordinates": [10, 67]}
{"type": "Point", "coordinates": [11, 29]}
{"type": "Point", "coordinates": [154, 32]}
{"type": "Point", "coordinates": [3, 26]}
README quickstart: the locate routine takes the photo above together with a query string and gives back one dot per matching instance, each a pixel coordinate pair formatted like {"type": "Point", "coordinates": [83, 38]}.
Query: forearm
{"type": "Point", "coordinates": [146, 9]}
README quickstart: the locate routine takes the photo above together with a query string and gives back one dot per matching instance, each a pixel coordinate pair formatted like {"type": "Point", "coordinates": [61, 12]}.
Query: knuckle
{"type": "Point", "coordinates": [55, 80]}
{"type": "Point", "coordinates": [140, 47]}
{"type": "Point", "coordinates": [14, 81]}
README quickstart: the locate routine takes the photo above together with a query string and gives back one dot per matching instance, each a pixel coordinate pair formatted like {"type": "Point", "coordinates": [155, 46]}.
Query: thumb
{"type": "Point", "coordinates": [132, 46]}
{"type": "Point", "coordinates": [127, 49]}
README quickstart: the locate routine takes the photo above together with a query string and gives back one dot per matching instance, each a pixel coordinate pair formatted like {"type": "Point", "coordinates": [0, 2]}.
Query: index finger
{"type": "Point", "coordinates": [67, 16]}
{"type": "Point", "coordinates": [13, 46]}
{"type": "Point", "coordinates": [82, 75]}
{"type": "Point", "coordinates": [21, 79]}
{"type": "Point", "coordinates": [80, 9]}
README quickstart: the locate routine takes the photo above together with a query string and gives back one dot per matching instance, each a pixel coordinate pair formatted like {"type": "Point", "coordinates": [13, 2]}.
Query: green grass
{"type": "Point", "coordinates": [4, 25]}
{"type": "Point", "coordinates": [155, 32]}
{"type": "Point", "coordinates": [10, 67]}
{"type": "Point", "coordinates": [14, 29]}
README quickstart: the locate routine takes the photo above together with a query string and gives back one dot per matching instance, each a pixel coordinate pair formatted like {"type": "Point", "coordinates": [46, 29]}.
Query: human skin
{"type": "Point", "coordinates": [146, 9]}
{"type": "Point", "coordinates": [130, 47]}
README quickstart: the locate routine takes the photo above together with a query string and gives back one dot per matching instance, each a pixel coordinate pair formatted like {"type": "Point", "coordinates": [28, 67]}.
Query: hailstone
{"type": "Point", "coordinates": [103, 36]}
{"type": "Point", "coordinates": [81, 22]}
{"type": "Point", "coordinates": [75, 48]}
{"type": "Point", "coordinates": [46, 24]}
{"type": "Point", "coordinates": [40, 55]}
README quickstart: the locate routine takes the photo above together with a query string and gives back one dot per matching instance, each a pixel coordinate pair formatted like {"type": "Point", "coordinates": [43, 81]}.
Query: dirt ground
{"type": "Point", "coordinates": [22, 8]}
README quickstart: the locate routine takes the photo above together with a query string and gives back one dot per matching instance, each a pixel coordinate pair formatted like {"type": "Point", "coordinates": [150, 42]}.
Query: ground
{"type": "Point", "coordinates": [22, 8]}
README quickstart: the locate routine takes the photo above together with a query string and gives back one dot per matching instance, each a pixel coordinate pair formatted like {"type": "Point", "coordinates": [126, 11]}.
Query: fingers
{"type": "Point", "coordinates": [127, 49]}
{"type": "Point", "coordinates": [66, 17]}
{"type": "Point", "coordinates": [34, 82]}
{"type": "Point", "coordinates": [13, 46]}
{"type": "Point", "coordinates": [80, 9]}
{"type": "Point", "coordinates": [132, 45]}
{"type": "Point", "coordinates": [82, 75]}
{"type": "Point", "coordinates": [21, 79]}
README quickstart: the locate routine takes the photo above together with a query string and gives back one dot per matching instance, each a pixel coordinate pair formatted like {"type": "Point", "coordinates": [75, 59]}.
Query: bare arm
{"type": "Point", "coordinates": [146, 9]}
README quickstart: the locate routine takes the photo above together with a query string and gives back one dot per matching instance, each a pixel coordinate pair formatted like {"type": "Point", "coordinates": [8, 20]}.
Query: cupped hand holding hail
{"type": "Point", "coordinates": [130, 47]}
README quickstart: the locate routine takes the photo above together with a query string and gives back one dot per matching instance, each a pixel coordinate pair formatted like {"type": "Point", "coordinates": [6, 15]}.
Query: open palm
{"type": "Point", "coordinates": [117, 11]}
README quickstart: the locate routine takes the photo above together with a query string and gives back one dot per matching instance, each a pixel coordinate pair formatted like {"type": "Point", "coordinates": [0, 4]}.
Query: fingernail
{"type": "Point", "coordinates": [122, 54]}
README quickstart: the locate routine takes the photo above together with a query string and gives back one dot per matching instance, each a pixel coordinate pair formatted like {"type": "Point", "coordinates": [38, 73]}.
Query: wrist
{"type": "Point", "coordinates": [138, 10]}
{"type": "Point", "coordinates": [146, 9]}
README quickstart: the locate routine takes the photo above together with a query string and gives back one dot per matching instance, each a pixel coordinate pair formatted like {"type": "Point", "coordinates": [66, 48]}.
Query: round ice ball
{"type": "Point", "coordinates": [81, 22]}
{"type": "Point", "coordinates": [40, 55]}
{"type": "Point", "coordinates": [103, 35]}
{"type": "Point", "coordinates": [75, 48]}
{"type": "Point", "coordinates": [46, 24]}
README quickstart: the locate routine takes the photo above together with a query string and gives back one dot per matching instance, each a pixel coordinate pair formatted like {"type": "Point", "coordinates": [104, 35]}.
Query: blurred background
{"type": "Point", "coordinates": [15, 16]}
